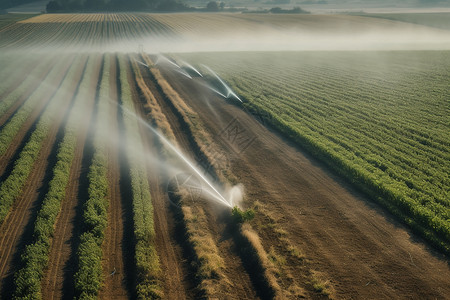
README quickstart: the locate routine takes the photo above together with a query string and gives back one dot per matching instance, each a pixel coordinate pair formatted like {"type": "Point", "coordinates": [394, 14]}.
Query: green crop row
{"type": "Point", "coordinates": [378, 119]}
{"type": "Point", "coordinates": [35, 256]}
{"type": "Point", "coordinates": [11, 188]}
{"type": "Point", "coordinates": [15, 68]}
{"type": "Point", "coordinates": [9, 131]}
{"type": "Point", "coordinates": [88, 278]}
{"type": "Point", "coordinates": [146, 257]}
{"type": "Point", "coordinates": [32, 79]}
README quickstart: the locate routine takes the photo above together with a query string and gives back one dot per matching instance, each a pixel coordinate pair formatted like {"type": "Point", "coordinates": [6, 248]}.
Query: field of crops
{"type": "Point", "coordinates": [87, 208]}
{"type": "Point", "coordinates": [438, 20]}
{"type": "Point", "coordinates": [379, 119]}
{"type": "Point", "coordinates": [58, 161]}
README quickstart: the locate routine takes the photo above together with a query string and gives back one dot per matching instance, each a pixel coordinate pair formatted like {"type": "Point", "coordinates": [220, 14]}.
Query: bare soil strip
{"type": "Point", "coordinates": [113, 248]}
{"type": "Point", "coordinates": [178, 281]}
{"type": "Point", "coordinates": [241, 283]}
{"type": "Point", "coordinates": [16, 229]}
{"type": "Point", "coordinates": [347, 239]}
{"type": "Point", "coordinates": [60, 251]}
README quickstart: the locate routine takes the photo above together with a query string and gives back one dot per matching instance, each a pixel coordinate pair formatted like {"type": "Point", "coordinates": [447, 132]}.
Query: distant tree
{"type": "Point", "coordinates": [222, 5]}
{"type": "Point", "coordinates": [116, 5]}
{"type": "Point", "coordinates": [276, 10]}
{"type": "Point", "coordinates": [212, 6]}
{"type": "Point", "coordinates": [295, 10]}
{"type": "Point", "coordinates": [93, 4]}
{"type": "Point", "coordinates": [53, 6]}
{"type": "Point", "coordinates": [171, 5]}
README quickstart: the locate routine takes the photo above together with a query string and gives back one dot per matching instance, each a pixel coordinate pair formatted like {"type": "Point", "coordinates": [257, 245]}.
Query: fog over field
{"type": "Point", "coordinates": [241, 153]}
{"type": "Point", "coordinates": [234, 32]}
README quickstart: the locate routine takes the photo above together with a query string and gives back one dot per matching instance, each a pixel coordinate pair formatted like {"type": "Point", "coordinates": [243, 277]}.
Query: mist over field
{"type": "Point", "coordinates": [227, 32]}
{"type": "Point", "coordinates": [246, 149]}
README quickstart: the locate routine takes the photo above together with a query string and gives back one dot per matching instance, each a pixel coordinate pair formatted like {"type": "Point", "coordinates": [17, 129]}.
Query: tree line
{"type": "Point", "coordinates": [115, 5]}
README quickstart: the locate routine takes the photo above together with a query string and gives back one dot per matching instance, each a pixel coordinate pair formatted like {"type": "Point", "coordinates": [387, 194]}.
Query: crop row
{"type": "Point", "coordinates": [10, 129]}
{"type": "Point", "coordinates": [11, 188]}
{"type": "Point", "coordinates": [382, 127]}
{"type": "Point", "coordinates": [189, 120]}
{"type": "Point", "coordinates": [146, 257]}
{"type": "Point", "coordinates": [15, 68]}
{"type": "Point", "coordinates": [54, 35]}
{"type": "Point", "coordinates": [32, 79]}
{"type": "Point", "coordinates": [209, 265]}
{"type": "Point", "coordinates": [88, 278]}
{"type": "Point", "coordinates": [208, 262]}
{"type": "Point", "coordinates": [35, 256]}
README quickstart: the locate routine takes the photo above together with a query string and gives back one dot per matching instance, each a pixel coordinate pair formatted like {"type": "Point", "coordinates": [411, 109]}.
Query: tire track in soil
{"type": "Point", "coordinates": [234, 269]}
{"type": "Point", "coordinates": [60, 250]}
{"type": "Point", "coordinates": [23, 135]}
{"type": "Point", "coordinates": [361, 249]}
{"type": "Point", "coordinates": [17, 228]}
{"type": "Point", "coordinates": [178, 280]}
{"type": "Point", "coordinates": [115, 283]}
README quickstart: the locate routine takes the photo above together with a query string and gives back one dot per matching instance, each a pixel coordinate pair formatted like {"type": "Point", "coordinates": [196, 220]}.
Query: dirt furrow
{"type": "Point", "coordinates": [358, 248]}
{"type": "Point", "coordinates": [240, 280]}
{"type": "Point", "coordinates": [178, 281]}
{"type": "Point", "coordinates": [16, 230]}
{"type": "Point", "coordinates": [115, 285]}
{"type": "Point", "coordinates": [60, 251]}
{"type": "Point", "coordinates": [167, 108]}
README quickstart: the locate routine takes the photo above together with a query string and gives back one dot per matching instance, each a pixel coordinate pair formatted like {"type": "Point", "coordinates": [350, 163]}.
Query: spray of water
{"type": "Point", "coordinates": [228, 89]}
{"type": "Point", "coordinates": [213, 89]}
{"type": "Point", "coordinates": [191, 67]}
{"type": "Point", "coordinates": [161, 59]}
{"type": "Point", "coordinates": [141, 63]}
{"type": "Point", "coordinates": [211, 191]}
{"type": "Point", "coordinates": [184, 73]}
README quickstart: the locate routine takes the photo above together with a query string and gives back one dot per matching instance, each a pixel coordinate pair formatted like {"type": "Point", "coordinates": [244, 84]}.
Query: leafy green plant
{"type": "Point", "coordinates": [241, 216]}
{"type": "Point", "coordinates": [35, 257]}
{"type": "Point", "coordinates": [11, 188]}
{"type": "Point", "coordinates": [88, 278]}
{"type": "Point", "coordinates": [148, 285]}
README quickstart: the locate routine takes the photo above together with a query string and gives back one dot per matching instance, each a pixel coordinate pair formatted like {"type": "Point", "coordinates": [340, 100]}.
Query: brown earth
{"type": "Point", "coordinates": [176, 277]}
{"type": "Point", "coordinates": [61, 248]}
{"type": "Point", "coordinates": [241, 285]}
{"type": "Point", "coordinates": [113, 264]}
{"type": "Point", "coordinates": [347, 239]}
{"type": "Point", "coordinates": [16, 230]}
